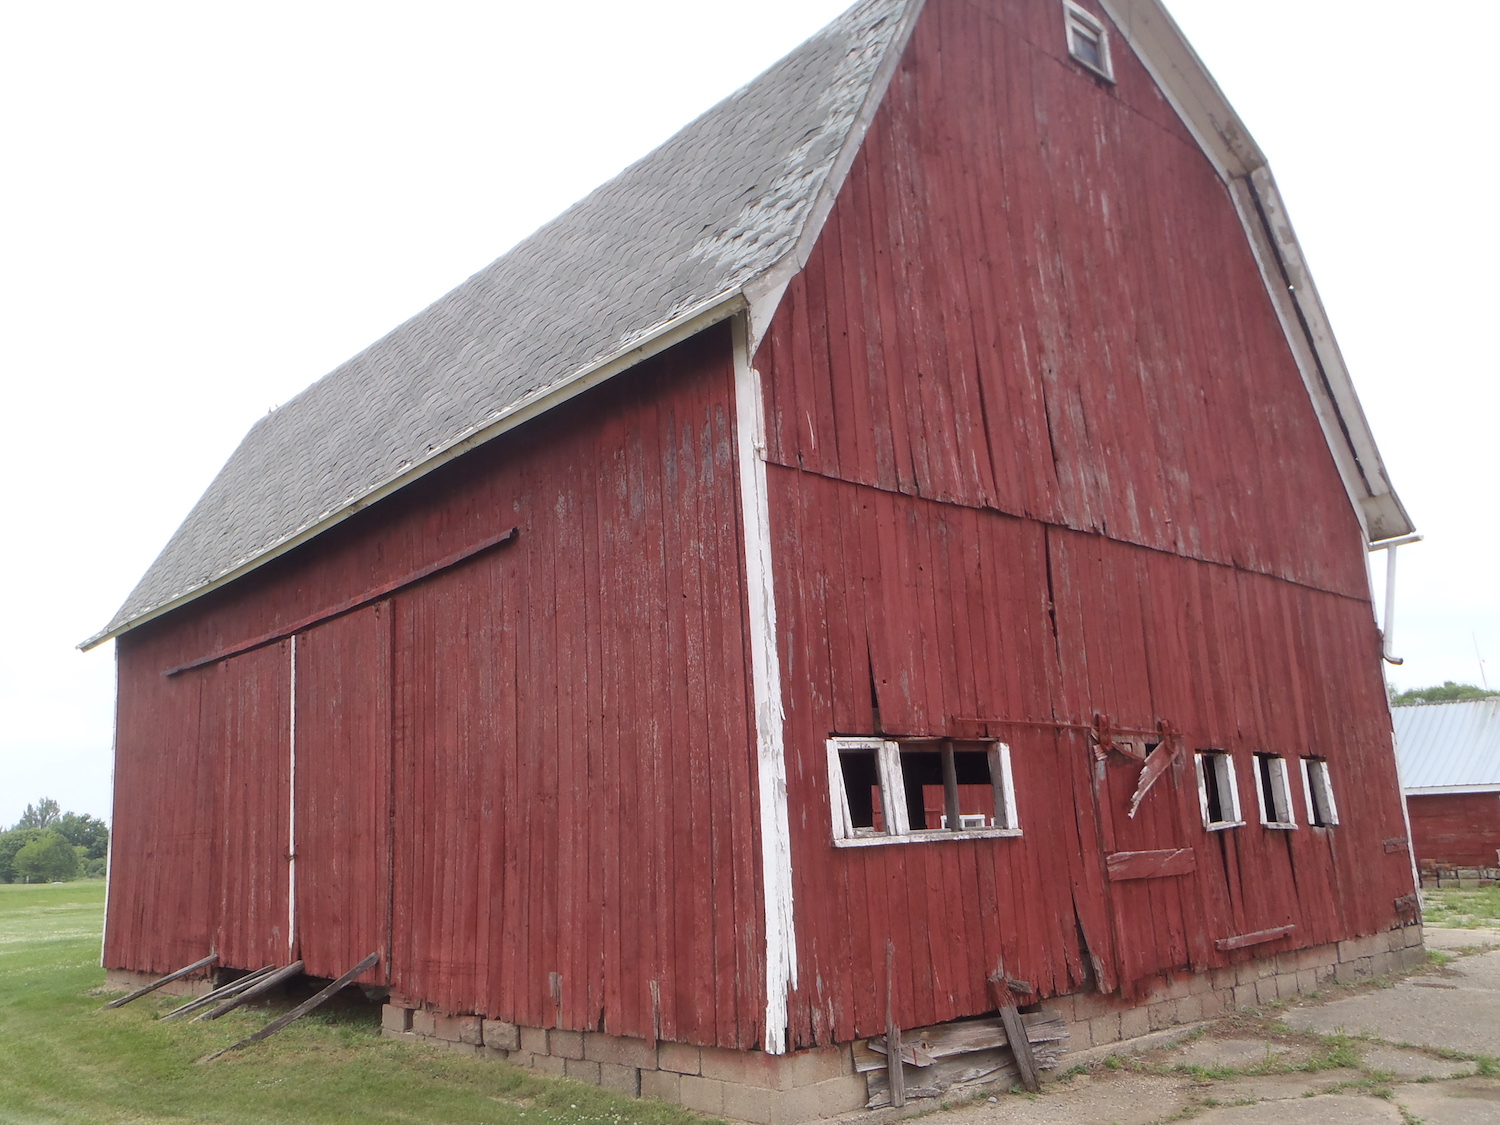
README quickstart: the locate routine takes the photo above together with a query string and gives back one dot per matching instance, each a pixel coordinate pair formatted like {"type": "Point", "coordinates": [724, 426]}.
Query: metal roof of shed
{"type": "Point", "coordinates": [1453, 747]}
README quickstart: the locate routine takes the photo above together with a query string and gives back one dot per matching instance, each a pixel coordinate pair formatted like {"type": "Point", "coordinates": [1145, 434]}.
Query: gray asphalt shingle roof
{"type": "Point", "coordinates": [1449, 745]}
{"type": "Point", "coordinates": [695, 220]}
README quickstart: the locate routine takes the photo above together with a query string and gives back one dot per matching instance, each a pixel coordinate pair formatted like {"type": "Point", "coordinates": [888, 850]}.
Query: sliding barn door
{"type": "Point", "coordinates": [246, 714]}
{"type": "Point", "coordinates": [342, 791]}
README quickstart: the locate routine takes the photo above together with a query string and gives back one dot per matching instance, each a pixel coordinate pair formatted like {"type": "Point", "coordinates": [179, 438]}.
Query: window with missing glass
{"type": "Point", "coordinates": [1088, 40]}
{"type": "Point", "coordinates": [1322, 810]}
{"type": "Point", "coordinates": [1273, 793]}
{"type": "Point", "coordinates": [887, 791]}
{"type": "Point", "coordinates": [1218, 796]}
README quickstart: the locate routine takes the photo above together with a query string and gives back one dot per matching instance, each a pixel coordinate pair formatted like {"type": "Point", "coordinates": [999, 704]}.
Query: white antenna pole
{"type": "Point", "coordinates": [1477, 656]}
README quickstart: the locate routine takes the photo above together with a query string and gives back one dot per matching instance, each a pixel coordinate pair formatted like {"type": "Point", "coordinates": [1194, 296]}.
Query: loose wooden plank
{"type": "Point", "coordinates": [300, 1010]}
{"type": "Point", "coordinates": [160, 981]}
{"type": "Point", "coordinates": [1259, 937]}
{"type": "Point", "coordinates": [1160, 864]}
{"type": "Point", "coordinates": [961, 1037]}
{"type": "Point", "coordinates": [265, 984]}
{"type": "Point", "coordinates": [233, 988]}
{"type": "Point", "coordinates": [895, 1075]}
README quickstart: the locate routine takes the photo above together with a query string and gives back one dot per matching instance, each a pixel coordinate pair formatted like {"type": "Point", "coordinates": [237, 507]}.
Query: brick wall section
{"type": "Point", "coordinates": [808, 1085]}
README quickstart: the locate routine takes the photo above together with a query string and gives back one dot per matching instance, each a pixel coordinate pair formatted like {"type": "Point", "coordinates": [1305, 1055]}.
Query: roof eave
{"type": "Point", "coordinates": [651, 342]}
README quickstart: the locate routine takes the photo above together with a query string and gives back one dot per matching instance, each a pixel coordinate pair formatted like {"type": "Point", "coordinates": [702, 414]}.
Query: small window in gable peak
{"type": "Point", "coordinates": [1088, 40]}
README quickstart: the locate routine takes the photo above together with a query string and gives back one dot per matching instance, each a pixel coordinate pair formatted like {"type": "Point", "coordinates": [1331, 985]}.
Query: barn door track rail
{"type": "Point", "coordinates": [204, 963]}
{"type": "Point", "coordinates": [349, 605]}
{"type": "Point", "coordinates": [300, 1010]}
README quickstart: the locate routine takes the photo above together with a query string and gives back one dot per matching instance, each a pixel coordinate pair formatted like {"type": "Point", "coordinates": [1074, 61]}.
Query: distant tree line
{"type": "Point", "coordinates": [1445, 692]}
{"type": "Point", "coordinates": [48, 845]}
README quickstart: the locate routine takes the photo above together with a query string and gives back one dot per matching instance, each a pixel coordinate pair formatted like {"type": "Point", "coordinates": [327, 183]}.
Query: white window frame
{"type": "Point", "coordinates": [1283, 789]}
{"type": "Point", "coordinates": [1080, 22]}
{"type": "Point", "coordinates": [898, 829]}
{"type": "Point", "coordinates": [1316, 782]}
{"type": "Point", "coordinates": [1222, 764]}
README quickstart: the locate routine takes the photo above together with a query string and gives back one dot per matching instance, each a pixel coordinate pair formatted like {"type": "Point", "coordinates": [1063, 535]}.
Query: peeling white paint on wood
{"type": "Point", "coordinates": [765, 665]}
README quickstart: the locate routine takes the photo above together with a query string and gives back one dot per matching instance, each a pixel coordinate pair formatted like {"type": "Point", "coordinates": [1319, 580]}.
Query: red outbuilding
{"type": "Point", "coordinates": [894, 554]}
{"type": "Point", "coordinates": [1450, 771]}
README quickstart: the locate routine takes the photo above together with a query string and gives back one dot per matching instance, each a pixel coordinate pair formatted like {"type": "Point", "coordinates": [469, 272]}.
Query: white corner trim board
{"type": "Point", "coordinates": [765, 670]}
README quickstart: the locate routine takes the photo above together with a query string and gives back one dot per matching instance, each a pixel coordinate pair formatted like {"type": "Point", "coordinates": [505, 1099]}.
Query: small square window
{"type": "Point", "coordinates": [1218, 797]}
{"type": "Point", "coordinates": [1322, 811]}
{"type": "Point", "coordinates": [1273, 792]}
{"type": "Point", "coordinates": [1088, 40]}
{"type": "Point", "coordinates": [885, 790]}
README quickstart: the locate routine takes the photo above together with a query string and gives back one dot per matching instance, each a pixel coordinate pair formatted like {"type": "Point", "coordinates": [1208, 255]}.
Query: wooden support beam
{"type": "Point", "coordinates": [1015, 1030]}
{"type": "Point", "coordinates": [233, 988]}
{"type": "Point", "coordinates": [893, 1069]}
{"type": "Point", "coordinates": [168, 979]}
{"type": "Point", "coordinates": [265, 984]}
{"type": "Point", "coordinates": [300, 1010]}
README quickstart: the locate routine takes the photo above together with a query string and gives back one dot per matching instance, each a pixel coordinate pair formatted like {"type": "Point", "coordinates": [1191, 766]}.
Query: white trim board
{"type": "Point", "coordinates": [765, 671]}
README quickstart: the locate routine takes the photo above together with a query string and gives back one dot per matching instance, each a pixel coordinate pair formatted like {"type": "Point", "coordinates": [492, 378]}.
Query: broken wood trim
{"type": "Point", "coordinates": [233, 988]}
{"type": "Point", "coordinates": [350, 604]}
{"type": "Point", "coordinates": [1163, 864]}
{"type": "Point", "coordinates": [300, 1010]}
{"type": "Point", "coordinates": [1015, 1030]}
{"type": "Point", "coordinates": [1259, 937]}
{"type": "Point", "coordinates": [1162, 755]}
{"type": "Point", "coordinates": [168, 979]}
{"type": "Point", "coordinates": [265, 984]}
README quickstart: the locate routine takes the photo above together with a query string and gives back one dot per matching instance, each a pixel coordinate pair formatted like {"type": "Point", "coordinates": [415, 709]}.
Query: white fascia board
{"type": "Point", "coordinates": [647, 344]}
{"type": "Point", "coordinates": [1191, 91]}
{"type": "Point", "coordinates": [764, 292]}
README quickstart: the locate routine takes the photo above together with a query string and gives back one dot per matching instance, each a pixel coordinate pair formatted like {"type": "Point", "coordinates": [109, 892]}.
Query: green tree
{"type": "Point", "coordinates": [47, 859]}
{"type": "Point", "coordinates": [44, 814]}
{"type": "Point", "coordinates": [10, 843]}
{"type": "Point", "coordinates": [86, 832]}
{"type": "Point", "coordinates": [1446, 692]}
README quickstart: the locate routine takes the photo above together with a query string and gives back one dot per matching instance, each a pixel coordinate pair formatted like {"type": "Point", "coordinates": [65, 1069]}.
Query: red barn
{"type": "Point", "coordinates": [908, 529]}
{"type": "Point", "coordinates": [1450, 771]}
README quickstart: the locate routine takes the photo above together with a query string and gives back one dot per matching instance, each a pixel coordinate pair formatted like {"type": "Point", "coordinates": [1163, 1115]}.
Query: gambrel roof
{"type": "Point", "coordinates": [692, 233]}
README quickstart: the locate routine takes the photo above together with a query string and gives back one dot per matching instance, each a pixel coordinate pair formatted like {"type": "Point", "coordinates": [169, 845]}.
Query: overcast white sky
{"type": "Point", "coordinates": [206, 206]}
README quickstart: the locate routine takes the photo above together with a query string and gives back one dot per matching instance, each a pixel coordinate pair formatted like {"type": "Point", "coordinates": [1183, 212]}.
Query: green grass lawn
{"type": "Point", "coordinates": [63, 1059]}
{"type": "Point", "coordinates": [1462, 909]}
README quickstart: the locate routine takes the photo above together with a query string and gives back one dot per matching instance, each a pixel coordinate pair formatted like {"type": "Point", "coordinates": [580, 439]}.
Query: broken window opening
{"type": "Point", "coordinates": [1273, 792]}
{"type": "Point", "coordinates": [1218, 796]}
{"type": "Point", "coordinates": [1322, 811]}
{"type": "Point", "coordinates": [1088, 40]}
{"type": "Point", "coordinates": [887, 791]}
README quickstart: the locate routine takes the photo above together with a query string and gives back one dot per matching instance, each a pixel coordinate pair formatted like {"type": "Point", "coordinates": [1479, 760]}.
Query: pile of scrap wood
{"type": "Point", "coordinates": [954, 1057]}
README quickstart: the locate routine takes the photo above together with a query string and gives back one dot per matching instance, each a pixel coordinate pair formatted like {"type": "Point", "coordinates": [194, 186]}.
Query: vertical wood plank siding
{"type": "Point", "coordinates": [555, 731]}
{"type": "Point", "coordinates": [1040, 451]}
{"type": "Point", "coordinates": [1458, 828]}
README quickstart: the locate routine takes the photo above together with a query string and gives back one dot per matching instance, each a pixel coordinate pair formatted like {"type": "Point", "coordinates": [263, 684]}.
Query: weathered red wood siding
{"type": "Point", "coordinates": [1458, 828]}
{"type": "Point", "coordinates": [1040, 451]}
{"type": "Point", "coordinates": [556, 731]}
